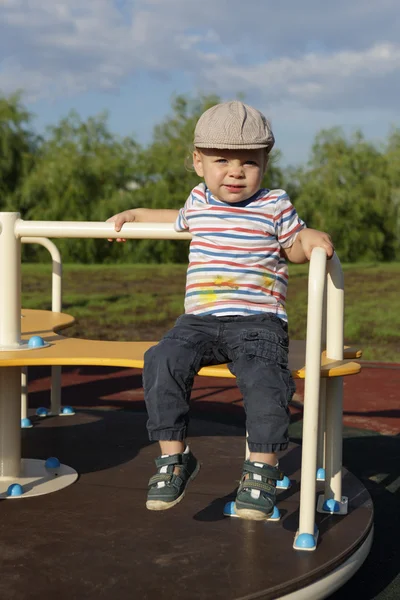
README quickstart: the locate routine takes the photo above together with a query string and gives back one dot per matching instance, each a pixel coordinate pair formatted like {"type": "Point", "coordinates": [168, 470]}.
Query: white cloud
{"type": "Point", "coordinates": [345, 79]}
{"type": "Point", "coordinates": [312, 55]}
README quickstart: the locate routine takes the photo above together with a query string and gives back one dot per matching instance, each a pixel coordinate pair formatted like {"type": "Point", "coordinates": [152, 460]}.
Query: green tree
{"type": "Point", "coordinates": [392, 154]}
{"type": "Point", "coordinates": [346, 190]}
{"type": "Point", "coordinates": [82, 172]}
{"type": "Point", "coordinates": [18, 145]}
{"type": "Point", "coordinates": [165, 174]}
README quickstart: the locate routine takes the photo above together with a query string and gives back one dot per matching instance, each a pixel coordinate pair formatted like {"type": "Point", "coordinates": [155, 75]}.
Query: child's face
{"type": "Point", "coordinates": [231, 175]}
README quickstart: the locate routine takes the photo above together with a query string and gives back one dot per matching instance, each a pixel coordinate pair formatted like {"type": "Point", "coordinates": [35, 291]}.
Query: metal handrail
{"type": "Point", "coordinates": [56, 306]}
{"type": "Point", "coordinates": [12, 228]}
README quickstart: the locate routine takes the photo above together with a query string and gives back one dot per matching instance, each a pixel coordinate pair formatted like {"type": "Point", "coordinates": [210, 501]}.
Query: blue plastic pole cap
{"type": "Point", "coordinates": [36, 341]}
{"type": "Point", "coordinates": [15, 489]}
{"type": "Point", "coordinates": [321, 474]}
{"type": "Point", "coordinates": [52, 463]}
{"type": "Point", "coordinates": [305, 540]}
{"type": "Point", "coordinates": [42, 412]}
{"type": "Point", "coordinates": [284, 483]}
{"type": "Point", "coordinates": [229, 509]}
{"type": "Point", "coordinates": [276, 515]}
{"type": "Point", "coordinates": [26, 423]}
{"type": "Point", "coordinates": [68, 410]}
{"type": "Point", "coordinates": [331, 505]}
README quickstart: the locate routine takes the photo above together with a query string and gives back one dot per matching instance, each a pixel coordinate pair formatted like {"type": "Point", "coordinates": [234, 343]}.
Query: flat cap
{"type": "Point", "coordinates": [233, 126]}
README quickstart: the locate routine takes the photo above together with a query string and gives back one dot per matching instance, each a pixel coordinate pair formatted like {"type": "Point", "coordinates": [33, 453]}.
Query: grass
{"type": "Point", "coordinates": [140, 302]}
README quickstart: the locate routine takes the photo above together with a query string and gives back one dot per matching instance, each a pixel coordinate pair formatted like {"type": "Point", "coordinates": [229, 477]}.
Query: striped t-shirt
{"type": "Point", "coordinates": [235, 264]}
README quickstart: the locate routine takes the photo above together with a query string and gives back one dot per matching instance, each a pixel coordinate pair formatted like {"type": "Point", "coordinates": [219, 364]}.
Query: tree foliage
{"type": "Point", "coordinates": [81, 171]}
{"type": "Point", "coordinates": [17, 144]}
{"type": "Point", "coordinates": [349, 189]}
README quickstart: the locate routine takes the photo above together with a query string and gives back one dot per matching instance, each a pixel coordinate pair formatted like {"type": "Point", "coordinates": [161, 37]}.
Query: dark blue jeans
{"type": "Point", "coordinates": [256, 348]}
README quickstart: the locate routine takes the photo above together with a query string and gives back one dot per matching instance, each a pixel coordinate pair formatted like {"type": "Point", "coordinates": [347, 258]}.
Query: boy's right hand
{"type": "Point", "coordinates": [127, 216]}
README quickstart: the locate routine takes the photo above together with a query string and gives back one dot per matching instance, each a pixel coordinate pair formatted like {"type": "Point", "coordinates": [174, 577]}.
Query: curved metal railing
{"type": "Point", "coordinates": [323, 276]}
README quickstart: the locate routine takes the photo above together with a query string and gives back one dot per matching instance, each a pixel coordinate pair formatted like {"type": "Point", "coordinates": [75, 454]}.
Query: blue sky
{"type": "Point", "coordinates": [307, 65]}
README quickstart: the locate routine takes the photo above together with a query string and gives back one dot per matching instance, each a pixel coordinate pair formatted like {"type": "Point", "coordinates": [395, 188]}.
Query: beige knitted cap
{"type": "Point", "coordinates": [233, 126]}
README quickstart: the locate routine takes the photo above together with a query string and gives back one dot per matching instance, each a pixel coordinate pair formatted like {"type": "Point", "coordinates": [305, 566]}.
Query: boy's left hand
{"type": "Point", "coordinates": [312, 238]}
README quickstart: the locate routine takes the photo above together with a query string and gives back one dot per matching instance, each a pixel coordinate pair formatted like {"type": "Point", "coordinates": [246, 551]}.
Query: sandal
{"type": "Point", "coordinates": [167, 488]}
{"type": "Point", "coordinates": [256, 495]}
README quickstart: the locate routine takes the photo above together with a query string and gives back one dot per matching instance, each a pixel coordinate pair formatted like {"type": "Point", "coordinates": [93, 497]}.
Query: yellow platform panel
{"type": "Point", "coordinates": [43, 322]}
{"type": "Point", "coordinates": [74, 351]}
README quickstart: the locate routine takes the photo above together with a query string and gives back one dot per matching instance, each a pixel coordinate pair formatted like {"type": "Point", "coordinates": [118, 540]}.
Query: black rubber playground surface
{"type": "Point", "coordinates": [77, 543]}
{"type": "Point", "coordinates": [375, 460]}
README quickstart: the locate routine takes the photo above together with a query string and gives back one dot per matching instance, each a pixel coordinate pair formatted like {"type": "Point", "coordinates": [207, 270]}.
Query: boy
{"type": "Point", "coordinates": [234, 305]}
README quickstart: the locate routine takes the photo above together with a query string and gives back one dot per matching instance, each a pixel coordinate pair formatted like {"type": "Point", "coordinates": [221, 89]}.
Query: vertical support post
{"type": "Point", "coordinates": [56, 277]}
{"type": "Point", "coordinates": [334, 440]}
{"type": "Point", "coordinates": [10, 422]}
{"type": "Point", "coordinates": [10, 336]}
{"type": "Point", "coordinates": [335, 310]}
{"type": "Point", "coordinates": [55, 401]}
{"type": "Point", "coordinates": [322, 394]}
{"type": "Point", "coordinates": [24, 393]}
{"type": "Point", "coordinates": [10, 288]}
{"type": "Point", "coordinates": [334, 350]}
{"type": "Point", "coordinates": [56, 305]}
{"type": "Point", "coordinates": [321, 449]}
{"type": "Point", "coordinates": [316, 284]}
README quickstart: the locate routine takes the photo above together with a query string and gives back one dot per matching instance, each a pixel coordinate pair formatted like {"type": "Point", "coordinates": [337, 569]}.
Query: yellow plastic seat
{"type": "Point", "coordinates": [74, 351]}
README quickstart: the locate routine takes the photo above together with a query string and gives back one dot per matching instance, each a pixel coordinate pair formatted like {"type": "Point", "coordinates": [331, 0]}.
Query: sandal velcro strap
{"type": "Point", "coordinates": [266, 471]}
{"type": "Point", "coordinates": [158, 477]}
{"type": "Point", "coordinates": [178, 481]}
{"type": "Point", "coordinates": [253, 484]}
{"type": "Point", "coordinates": [172, 459]}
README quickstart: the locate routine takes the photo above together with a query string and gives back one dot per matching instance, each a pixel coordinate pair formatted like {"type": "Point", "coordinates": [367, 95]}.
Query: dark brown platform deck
{"type": "Point", "coordinates": [95, 539]}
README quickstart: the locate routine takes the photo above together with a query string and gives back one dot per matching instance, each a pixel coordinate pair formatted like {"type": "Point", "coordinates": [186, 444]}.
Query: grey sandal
{"type": "Point", "coordinates": [167, 488]}
{"type": "Point", "coordinates": [261, 478]}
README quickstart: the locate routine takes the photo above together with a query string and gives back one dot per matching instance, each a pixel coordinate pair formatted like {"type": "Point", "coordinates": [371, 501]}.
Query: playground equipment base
{"type": "Point", "coordinates": [35, 479]}
{"type": "Point", "coordinates": [97, 533]}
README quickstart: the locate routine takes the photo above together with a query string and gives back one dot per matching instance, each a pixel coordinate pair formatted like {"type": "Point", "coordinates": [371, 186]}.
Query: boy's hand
{"type": "Point", "coordinates": [312, 238]}
{"type": "Point", "coordinates": [127, 216]}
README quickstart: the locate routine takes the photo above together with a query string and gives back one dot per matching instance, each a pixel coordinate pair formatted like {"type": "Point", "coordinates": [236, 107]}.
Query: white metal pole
{"type": "Point", "coordinates": [24, 393]}
{"type": "Point", "coordinates": [10, 289]}
{"type": "Point", "coordinates": [335, 309]}
{"type": "Point", "coordinates": [316, 283]}
{"type": "Point", "coordinates": [10, 336]}
{"type": "Point", "coordinates": [322, 392]}
{"type": "Point", "coordinates": [99, 229]}
{"type": "Point", "coordinates": [334, 350]}
{"type": "Point", "coordinates": [321, 448]}
{"type": "Point", "coordinates": [56, 304]}
{"type": "Point", "coordinates": [55, 399]}
{"type": "Point", "coordinates": [334, 437]}
{"type": "Point", "coordinates": [10, 422]}
{"type": "Point", "coordinates": [56, 274]}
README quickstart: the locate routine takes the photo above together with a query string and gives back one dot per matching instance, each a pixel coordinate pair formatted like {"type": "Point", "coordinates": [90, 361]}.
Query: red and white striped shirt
{"type": "Point", "coordinates": [235, 263]}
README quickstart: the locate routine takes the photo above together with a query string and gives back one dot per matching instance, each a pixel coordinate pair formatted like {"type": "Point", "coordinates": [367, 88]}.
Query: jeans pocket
{"type": "Point", "coordinates": [266, 345]}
